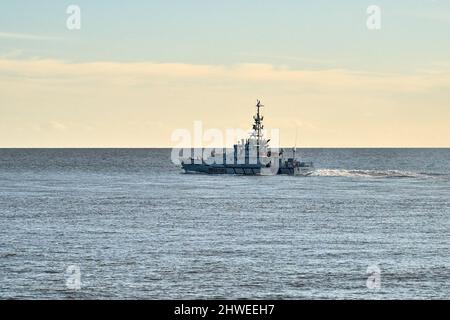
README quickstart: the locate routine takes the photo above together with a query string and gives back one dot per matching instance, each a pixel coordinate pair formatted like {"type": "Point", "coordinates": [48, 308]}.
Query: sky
{"type": "Point", "coordinates": [137, 71]}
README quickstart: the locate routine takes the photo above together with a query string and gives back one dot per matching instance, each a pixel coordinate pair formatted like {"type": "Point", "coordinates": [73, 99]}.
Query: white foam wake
{"type": "Point", "coordinates": [366, 173]}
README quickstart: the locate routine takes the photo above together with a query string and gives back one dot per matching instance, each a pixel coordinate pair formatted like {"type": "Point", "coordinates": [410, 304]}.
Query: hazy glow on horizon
{"type": "Point", "coordinates": [61, 88]}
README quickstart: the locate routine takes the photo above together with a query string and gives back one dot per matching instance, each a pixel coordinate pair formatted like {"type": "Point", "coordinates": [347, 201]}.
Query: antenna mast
{"type": "Point", "coordinates": [258, 126]}
{"type": "Point", "coordinates": [258, 122]}
{"type": "Point", "coordinates": [295, 145]}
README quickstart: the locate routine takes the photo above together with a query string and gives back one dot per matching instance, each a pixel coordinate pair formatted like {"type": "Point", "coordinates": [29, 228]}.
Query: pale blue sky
{"type": "Point", "coordinates": [299, 34]}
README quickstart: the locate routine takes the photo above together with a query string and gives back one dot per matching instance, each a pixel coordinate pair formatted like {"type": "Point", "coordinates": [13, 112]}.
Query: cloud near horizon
{"type": "Point", "coordinates": [139, 104]}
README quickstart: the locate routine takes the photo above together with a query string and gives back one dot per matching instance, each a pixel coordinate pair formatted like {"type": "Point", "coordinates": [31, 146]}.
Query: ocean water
{"type": "Point", "coordinates": [137, 228]}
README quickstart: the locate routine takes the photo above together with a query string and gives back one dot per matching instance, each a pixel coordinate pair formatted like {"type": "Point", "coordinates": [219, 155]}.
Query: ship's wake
{"type": "Point", "coordinates": [375, 174]}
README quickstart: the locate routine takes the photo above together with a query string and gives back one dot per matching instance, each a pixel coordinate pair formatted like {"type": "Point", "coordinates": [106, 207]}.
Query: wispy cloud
{"type": "Point", "coordinates": [26, 36]}
{"type": "Point", "coordinates": [140, 73]}
{"type": "Point", "coordinates": [254, 56]}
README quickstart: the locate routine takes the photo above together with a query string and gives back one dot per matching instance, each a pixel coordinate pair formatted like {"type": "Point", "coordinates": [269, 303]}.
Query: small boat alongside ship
{"type": "Point", "coordinates": [251, 156]}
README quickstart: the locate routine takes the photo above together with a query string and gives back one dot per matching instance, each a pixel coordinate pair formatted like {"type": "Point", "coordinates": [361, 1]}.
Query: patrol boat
{"type": "Point", "coordinates": [251, 156]}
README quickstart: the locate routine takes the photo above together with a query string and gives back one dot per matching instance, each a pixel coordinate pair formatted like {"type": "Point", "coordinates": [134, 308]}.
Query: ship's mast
{"type": "Point", "coordinates": [257, 127]}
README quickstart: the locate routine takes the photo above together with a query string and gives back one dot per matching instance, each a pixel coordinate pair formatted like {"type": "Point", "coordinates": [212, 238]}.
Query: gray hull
{"type": "Point", "coordinates": [243, 169]}
{"type": "Point", "coordinates": [227, 169]}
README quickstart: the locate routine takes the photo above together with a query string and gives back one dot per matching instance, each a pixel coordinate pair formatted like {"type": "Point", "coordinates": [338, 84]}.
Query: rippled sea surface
{"type": "Point", "coordinates": [136, 227]}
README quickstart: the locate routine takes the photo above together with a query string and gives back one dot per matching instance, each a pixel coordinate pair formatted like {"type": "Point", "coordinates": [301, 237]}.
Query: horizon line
{"type": "Point", "coordinates": [289, 147]}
